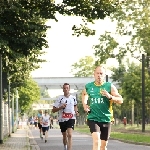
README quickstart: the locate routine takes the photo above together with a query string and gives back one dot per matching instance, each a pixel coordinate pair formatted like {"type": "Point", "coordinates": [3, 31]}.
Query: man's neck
{"type": "Point", "coordinates": [99, 83]}
{"type": "Point", "coordinates": [67, 95]}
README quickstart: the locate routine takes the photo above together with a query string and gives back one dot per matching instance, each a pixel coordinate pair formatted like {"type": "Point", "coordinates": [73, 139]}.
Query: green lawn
{"type": "Point", "coordinates": [127, 136]}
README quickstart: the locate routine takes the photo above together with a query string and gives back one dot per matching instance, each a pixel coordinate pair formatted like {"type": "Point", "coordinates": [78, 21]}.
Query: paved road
{"type": "Point", "coordinates": [80, 142]}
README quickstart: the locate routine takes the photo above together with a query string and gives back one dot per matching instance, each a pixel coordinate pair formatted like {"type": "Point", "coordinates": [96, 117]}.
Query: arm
{"type": "Point", "coordinates": [84, 100]}
{"type": "Point", "coordinates": [76, 109]}
{"type": "Point", "coordinates": [116, 97]}
{"type": "Point", "coordinates": [75, 106]}
{"type": "Point", "coordinates": [55, 109]}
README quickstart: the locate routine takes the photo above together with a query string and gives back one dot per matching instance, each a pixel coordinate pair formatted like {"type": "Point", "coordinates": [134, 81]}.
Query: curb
{"type": "Point", "coordinates": [28, 143]}
{"type": "Point", "coordinates": [33, 143]}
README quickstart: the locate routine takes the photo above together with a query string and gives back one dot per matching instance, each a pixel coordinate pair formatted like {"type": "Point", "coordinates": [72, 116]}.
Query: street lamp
{"type": "Point", "coordinates": [144, 59]}
{"type": "Point", "coordinates": [1, 99]}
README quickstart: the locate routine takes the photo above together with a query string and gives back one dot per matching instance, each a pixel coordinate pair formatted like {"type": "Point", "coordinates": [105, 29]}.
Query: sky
{"type": "Point", "coordinates": [65, 49]}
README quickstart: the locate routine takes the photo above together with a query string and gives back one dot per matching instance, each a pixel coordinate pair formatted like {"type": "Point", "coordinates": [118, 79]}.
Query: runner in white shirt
{"type": "Point", "coordinates": [45, 124]}
{"type": "Point", "coordinates": [66, 106]}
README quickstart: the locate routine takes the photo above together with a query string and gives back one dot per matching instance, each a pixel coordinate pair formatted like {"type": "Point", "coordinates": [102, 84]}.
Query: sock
{"type": "Point", "coordinates": [41, 135]}
{"type": "Point", "coordinates": [46, 135]}
{"type": "Point", "coordinates": [65, 146]}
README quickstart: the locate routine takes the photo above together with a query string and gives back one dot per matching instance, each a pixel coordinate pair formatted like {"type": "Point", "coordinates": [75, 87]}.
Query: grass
{"type": "Point", "coordinates": [131, 137]}
{"type": "Point", "coordinates": [118, 132]}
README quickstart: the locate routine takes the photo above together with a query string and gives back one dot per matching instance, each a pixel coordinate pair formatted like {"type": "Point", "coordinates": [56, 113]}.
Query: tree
{"type": "Point", "coordinates": [23, 33]}
{"type": "Point", "coordinates": [25, 29]}
{"type": "Point", "coordinates": [131, 25]}
{"type": "Point", "coordinates": [130, 83]}
{"type": "Point", "coordinates": [83, 68]}
{"type": "Point", "coordinates": [105, 48]}
{"type": "Point", "coordinates": [28, 93]}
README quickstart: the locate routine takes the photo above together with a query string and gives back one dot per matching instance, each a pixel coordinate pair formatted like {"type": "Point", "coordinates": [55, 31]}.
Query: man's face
{"type": "Point", "coordinates": [66, 89]}
{"type": "Point", "coordinates": [99, 74]}
{"type": "Point", "coordinates": [40, 112]}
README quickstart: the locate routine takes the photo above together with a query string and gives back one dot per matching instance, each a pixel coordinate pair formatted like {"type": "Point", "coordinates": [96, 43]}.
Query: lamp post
{"type": "Point", "coordinates": [144, 59]}
{"type": "Point", "coordinates": [9, 118]}
{"type": "Point", "coordinates": [106, 78]}
{"type": "Point", "coordinates": [143, 93]}
{"type": "Point", "coordinates": [17, 108]}
{"type": "Point", "coordinates": [1, 100]}
{"type": "Point", "coordinates": [13, 129]}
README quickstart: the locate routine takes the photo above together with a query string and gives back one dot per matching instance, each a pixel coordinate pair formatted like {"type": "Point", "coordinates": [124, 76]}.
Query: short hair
{"type": "Point", "coordinates": [40, 111]}
{"type": "Point", "coordinates": [101, 66]}
{"type": "Point", "coordinates": [66, 84]}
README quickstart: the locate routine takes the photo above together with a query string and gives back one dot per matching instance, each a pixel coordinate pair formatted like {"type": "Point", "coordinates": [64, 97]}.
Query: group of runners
{"type": "Point", "coordinates": [101, 95]}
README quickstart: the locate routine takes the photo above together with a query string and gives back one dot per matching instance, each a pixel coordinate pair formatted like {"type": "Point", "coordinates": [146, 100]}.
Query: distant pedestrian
{"type": "Point", "coordinates": [125, 122]}
{"type": "Point", "coordinates": [40, 123]}
{"type": "Point", "coordinates": [45, 124]}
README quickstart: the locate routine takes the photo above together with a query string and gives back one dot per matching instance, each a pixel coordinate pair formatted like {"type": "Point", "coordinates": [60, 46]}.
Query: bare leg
{"type": "Point", "coordinates": [46, 135]}
{"type": "Point", "coordinates": [96, 140]}
{"type": "Point", "coordinates": [103, 145]}
{"type": "Point", "coordinates": [64, 139]}
{"type": "Point", "coordinates": [69, 135]}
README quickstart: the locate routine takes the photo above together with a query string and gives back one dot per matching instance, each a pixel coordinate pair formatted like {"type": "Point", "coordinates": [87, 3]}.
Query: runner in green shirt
{"type": "Point", "coordinates": [101, 95]}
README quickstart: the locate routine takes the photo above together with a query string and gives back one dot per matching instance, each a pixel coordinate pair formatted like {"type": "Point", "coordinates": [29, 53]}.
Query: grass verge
{"type": "Point", "coordinates": [127, 136]}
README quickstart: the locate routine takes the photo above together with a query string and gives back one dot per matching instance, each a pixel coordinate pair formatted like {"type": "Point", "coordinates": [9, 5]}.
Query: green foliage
{"type": "Point", "coordinates": [44, 93]}
{"type": "Point", "coordinates": [129, 24]}
{"type": "Point", "coordinates": [83, 68]}
{"type": "Point", "coordinates": [23, 29]}
{"type": "Point", "coordinates": [105, 48]}
{"type": "Point", "coordinates": [130, 82]}
{"type": "Point", "coordinates": [80, 105]}
{"type": "Point", "coordinates": [28, 94]}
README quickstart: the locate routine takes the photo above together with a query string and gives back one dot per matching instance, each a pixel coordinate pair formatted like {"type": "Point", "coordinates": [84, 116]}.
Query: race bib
{"type": "Point", "coordinates": [45, 123]}
{"type": "Point", "coordinates": [67, 115]}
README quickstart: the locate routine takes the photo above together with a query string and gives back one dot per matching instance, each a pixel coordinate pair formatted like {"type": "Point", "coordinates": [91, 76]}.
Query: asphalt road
{"type": "Point", "coordinates": [80, 142]}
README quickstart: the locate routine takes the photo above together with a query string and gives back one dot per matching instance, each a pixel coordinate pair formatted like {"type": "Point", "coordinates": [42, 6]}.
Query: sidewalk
{"type": "Point", "coordinates": [18, 141]}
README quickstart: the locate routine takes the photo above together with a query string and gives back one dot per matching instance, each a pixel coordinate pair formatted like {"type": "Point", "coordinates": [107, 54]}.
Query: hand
{"type": "Point", "coordinates": [77, 113]}
{"type": "Point", "coordinates": [105, 93]}
{"type": "Point", "coordinates": [63, 106]}
{"type": "Point", "coordinates": [86, 108]}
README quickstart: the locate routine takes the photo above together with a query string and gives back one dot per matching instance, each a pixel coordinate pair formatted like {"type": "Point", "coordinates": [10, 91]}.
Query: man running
{"type": "Point", "coordinates": [66, 106]}
{"type": "Point", "coordinates": [40, 123]}
{"type": "Point", "coordinates": [101, 94]}
{"type": "Point", "coordinates": [45, 124]}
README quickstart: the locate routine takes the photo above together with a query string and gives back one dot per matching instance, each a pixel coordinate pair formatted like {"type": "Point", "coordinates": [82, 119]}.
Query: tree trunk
{"type": "Point", "coordinates": [132, 113]}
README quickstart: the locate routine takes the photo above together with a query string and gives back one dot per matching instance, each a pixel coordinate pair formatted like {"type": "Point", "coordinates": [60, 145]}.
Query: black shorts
{"type": "Point", "coordinates": [35, 123]}
{"type": "Point", "coordinates": [102, 127]}
{"type": "Point", "coordinates": [44, 129]}
{"type": "Point", "coordinates": [40, 126]}
{"type": "Point", "coordinates": [67, 124]}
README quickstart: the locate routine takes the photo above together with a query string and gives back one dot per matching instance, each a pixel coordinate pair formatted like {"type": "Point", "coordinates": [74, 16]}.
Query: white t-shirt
{"type": "Point", "coordinates": [45, 120]}
{"type": "Point", "coordinates": [70, 101]}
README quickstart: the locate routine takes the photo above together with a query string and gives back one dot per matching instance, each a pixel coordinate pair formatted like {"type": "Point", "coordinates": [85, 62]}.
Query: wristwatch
{"type": "Point", "coordinates": [110, 98]}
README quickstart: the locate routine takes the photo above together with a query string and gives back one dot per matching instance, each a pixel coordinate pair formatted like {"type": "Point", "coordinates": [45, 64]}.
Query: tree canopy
{"type": "Point", "coordinates": [23, 33]}
{"type": "Point", "coordinates": [28, 94]}
{"type": "Point", "coordinates": [131, 26]}
{"type": "Point", "coordinates": [83, 68]}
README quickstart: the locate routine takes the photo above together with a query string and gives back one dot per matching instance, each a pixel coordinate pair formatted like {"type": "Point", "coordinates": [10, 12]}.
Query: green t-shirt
{"type": "Point", "coordinates": [100, 106]}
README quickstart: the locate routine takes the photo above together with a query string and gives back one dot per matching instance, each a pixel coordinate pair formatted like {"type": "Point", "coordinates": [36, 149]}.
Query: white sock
{"type": "Point", "coordinates": [46, 135]}
{"type": "Point", "coordinates": [65, 146]}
